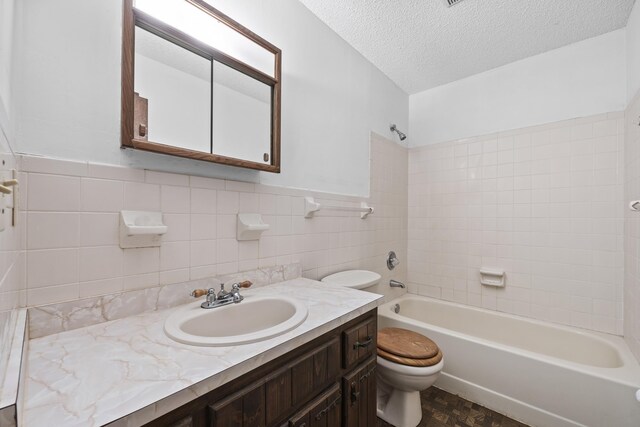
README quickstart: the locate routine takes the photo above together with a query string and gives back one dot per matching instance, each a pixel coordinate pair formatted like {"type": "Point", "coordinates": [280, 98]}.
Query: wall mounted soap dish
{"type": "Point", "coordinates": [250, 226]}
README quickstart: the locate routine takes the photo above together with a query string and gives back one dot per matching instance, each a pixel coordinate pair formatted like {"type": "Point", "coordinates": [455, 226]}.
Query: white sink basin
{"type": "Point", "coordinates": [256, 318]}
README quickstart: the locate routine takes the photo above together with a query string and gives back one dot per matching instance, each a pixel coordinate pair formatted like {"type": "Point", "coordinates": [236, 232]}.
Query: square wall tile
{"type": "Point", "coordinates": [51, 267]}
{"type": "Point", "coordinates": [53, 193]}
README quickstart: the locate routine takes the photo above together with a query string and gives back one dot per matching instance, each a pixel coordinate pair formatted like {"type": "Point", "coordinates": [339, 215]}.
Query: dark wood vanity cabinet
{"type": "Point", "coordinates": [327, 382]}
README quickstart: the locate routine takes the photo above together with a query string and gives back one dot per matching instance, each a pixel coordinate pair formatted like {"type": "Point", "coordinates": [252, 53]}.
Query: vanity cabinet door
{"type": "Point", "coordinates": [301, 379]}
{"type": "Point", "coordinates": [325, 411]}
{"type": "Point", "coordinates": [278, 400]}
{"type": "Point", "coordinates": [314, 371]}
{"type": "Point", "coordinates": [359, 388]}
{"type": "Point", "coordinates": [359, 342]}
{"type": "Point", "coordinates": [245, 408]}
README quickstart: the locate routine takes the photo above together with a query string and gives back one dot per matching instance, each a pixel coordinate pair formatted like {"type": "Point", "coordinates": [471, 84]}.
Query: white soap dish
{"type": "Point", "coordinates": [250, 226]}
{"type": "Point", "coordinates": [489, 277]}
{"type": "Point", "coordinates": [139, 229]}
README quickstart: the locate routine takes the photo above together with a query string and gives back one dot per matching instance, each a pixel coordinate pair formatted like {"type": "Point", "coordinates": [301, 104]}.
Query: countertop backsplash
{"type": "Point", "coordinates": [53, 318]}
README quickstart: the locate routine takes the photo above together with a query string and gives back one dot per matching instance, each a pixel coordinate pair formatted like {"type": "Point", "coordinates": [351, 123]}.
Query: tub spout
{"type": "Point", "coordinates": [396, 284]}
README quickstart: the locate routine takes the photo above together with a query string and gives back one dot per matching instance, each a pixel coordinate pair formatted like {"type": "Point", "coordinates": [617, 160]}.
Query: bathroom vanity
{"type": "Point", "coordinates": [128, 372]}
{"type": "Point", "coordinates": [329, 381]}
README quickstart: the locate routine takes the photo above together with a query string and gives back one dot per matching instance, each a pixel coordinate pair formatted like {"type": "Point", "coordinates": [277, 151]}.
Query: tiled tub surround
{"type": "Point", "coordinates": [53, 318]}
{"type": "Point", "coordinates": [130, 368]}
{"type": "Point", "coordinates": [632, 229]}
{"type": "Point", "coordinates": [72, 213]}
{"type": "Point", "coordinates": [543, 203]}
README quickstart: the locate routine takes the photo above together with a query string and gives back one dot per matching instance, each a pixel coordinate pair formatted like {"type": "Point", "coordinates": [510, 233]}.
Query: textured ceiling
{"type": "Point", "coordinates": [421, 44]}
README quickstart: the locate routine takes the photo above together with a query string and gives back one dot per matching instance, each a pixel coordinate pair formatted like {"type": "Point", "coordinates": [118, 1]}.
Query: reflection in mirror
{"type": "Point", "coordinates": [239, 99]}
{"type": "Point", "coordinates": [191, 20]}
{"type": "Point", "coordinates": [176, 85]}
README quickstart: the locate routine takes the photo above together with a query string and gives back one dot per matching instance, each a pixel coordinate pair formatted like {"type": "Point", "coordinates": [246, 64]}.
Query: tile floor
{"type": "Point", "coordinates": [442, 409]}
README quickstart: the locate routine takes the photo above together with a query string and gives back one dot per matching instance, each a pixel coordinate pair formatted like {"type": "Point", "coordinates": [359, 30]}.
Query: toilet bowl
{"type": "Point", "coordinates": [407, 362]}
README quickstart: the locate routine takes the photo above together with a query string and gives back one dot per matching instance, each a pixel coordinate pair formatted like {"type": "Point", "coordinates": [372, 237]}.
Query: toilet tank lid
{"type": "Point", "coordinates": [356, 279]}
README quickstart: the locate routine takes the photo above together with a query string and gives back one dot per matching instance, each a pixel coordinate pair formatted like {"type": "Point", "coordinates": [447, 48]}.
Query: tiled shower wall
{"type": "Point", "coordinates": [632, 229]}
{"type": "Point", "coordinates": [72, 214]}
{"type": "Point", "coordinates": [544, 204]}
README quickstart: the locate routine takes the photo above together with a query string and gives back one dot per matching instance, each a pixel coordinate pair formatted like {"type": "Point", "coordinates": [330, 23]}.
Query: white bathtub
{"type": "Point", "coordinates": [541, 374]}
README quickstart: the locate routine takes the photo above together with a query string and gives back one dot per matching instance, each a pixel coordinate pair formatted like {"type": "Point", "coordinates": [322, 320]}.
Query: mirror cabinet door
{"type": "Point", "coordinates": [197, 84]}
{"type": "Point", "coordinates": [238, 99]}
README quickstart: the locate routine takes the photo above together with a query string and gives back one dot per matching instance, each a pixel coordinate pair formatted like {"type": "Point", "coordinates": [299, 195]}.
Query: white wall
{"type": "Point", "coordinates": [578, 80]}
{"type": "Point", "coordinates": [7, 17]}
{"type": "Point", "coordinates": [69, 91]}
{"type": "Point", "coordinates": [633, 52]}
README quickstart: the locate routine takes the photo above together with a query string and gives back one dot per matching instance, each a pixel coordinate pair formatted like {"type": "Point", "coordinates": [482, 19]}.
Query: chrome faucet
{"type": "Point", "coordinates": [396, 284]}
{"type": "Point", "coordinates": [223, 297]}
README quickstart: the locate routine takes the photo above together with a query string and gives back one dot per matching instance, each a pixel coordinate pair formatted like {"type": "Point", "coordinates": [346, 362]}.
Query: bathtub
{"type": "Point", "coordinates": [539, 373]}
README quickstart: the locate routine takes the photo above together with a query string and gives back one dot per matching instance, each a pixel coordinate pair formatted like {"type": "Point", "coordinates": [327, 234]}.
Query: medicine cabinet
{"type": "Point", "coordinates": [197, 84]}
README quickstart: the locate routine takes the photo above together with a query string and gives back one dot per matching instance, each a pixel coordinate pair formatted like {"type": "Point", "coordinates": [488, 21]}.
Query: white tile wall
{"type": "Point", "coordinates": [12, 243]}
{"type": "Point", "coordinates": [632, 229]}
{"type": "Point", "coordinates": [72, 222]}
{"type": "Point", "coordinates": [543, 203]}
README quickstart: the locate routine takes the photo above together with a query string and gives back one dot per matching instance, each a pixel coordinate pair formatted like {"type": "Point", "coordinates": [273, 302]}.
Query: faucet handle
{"type": "Point", "coordinates": [245, 284]}
{"type": "Point", "coordinates": [197, 293]}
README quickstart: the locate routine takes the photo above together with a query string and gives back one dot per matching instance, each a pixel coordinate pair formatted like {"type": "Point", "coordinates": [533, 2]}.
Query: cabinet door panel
{"type": "Point", "coordinates": [278, 395]}
{"type": "Point", "coordinates": [227, 413]}
{"type": "Point", "coordinates": [315, 371]}
{"type": "Point", "coordinates": [333, 358]}
{"type": "Point", "coordinates": [253, 407]}
{"type": "Point", "coordinates": [323, 411]}
{"type": "Point", "coordinates": [320, 367]}
{"type": "Point", "coordinates": [302, 374]}
{"type": "Point", "coordinates": [359, 390]}
{"type": "Point", "coordinates": [359, 342]}
{"type": "Point", "coordinates": [243, 409]}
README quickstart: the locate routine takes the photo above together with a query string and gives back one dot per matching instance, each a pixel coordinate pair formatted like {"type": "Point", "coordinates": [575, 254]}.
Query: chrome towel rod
{"type": "Point", "coordinates": [311, 207]}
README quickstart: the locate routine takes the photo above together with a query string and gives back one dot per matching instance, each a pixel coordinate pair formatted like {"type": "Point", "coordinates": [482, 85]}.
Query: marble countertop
{"type": "Point", "coordinates": [127, 372]}
{"type": "Point", "coordinates": [13, 366]}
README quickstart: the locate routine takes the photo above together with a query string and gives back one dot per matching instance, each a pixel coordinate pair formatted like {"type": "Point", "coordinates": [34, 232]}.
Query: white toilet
{"type": "Point", "coordinates": [407, 362]}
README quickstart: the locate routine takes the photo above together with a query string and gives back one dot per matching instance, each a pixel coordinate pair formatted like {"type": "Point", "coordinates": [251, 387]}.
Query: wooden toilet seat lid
{"type": "Point", "coordinates": [422, 363]}
{"type": "Point", "coordinates": [406, 344]}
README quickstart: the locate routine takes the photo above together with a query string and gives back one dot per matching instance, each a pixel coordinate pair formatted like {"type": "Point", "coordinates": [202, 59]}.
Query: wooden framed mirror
{"type": "Point", "coordinates": [197, 84]}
